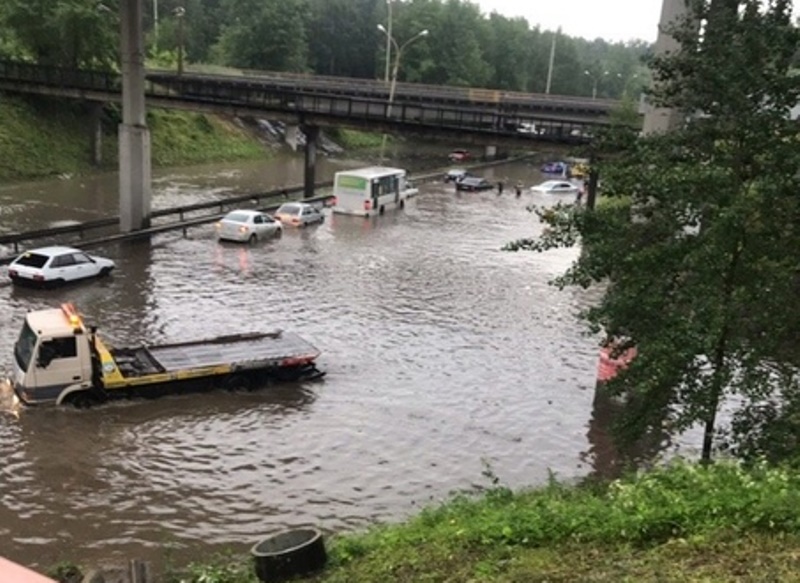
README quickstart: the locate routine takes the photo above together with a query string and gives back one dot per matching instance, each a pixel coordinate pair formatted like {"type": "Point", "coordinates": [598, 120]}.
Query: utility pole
{"type": "Point", "coordinates": [552, 60]}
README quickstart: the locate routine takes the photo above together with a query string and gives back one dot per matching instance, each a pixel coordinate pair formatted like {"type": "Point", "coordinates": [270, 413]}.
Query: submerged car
{"type": "Point", "coordinates": [556, 187]}
{"type": "Point", "coordinates": [247, 226]}
{"type": "Point", "coordinates": [56, 265]}
{"type": "Point", "coordinates": [473, 184]}
{"type": "Point", "coordinates": [298, 214]}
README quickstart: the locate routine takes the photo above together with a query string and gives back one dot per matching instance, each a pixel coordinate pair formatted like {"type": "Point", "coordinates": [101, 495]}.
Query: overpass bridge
{"type": "Point", "coordinates": [478, 115]}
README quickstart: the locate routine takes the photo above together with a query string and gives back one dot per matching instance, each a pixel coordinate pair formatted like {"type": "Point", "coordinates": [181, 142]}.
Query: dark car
{"type": "Point", "coordinates": [554, 168]}
{"type": "Point", "coordinates": [473, 184]}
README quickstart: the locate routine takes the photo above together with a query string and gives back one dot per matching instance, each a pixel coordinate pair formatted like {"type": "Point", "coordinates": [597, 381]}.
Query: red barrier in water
{"type": "Point", "coordinates": [610, 366]}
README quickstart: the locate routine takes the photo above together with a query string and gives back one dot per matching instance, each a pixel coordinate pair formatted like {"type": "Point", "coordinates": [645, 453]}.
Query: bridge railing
{"type": "Point", "coordinates": [59, 76]}
{"type": "Point", "coordinates": [561, 123]}
{"type": "Point", "coordinates": [402, 89]}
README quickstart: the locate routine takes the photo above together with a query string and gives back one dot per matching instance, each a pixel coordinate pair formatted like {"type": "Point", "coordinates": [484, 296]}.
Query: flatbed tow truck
{"type": "Point", "coordinates": [59, 360]}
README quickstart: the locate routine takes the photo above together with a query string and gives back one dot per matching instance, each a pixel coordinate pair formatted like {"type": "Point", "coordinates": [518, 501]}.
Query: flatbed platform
{"type": "Point", "coordinates": [240, 349]}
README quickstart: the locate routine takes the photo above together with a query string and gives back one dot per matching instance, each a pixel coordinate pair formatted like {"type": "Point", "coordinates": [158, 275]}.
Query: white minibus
{"type": "Point", "coordinates": [370, 191]}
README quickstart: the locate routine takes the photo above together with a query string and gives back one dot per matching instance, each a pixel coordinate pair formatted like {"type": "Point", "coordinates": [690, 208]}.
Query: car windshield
{"type": "Point", "coordinates": [32, 260]}
{"type": "Point", "coordinates": [289, 209]}
{"type": "Point", "coordinates": [238, 217]}
{"type": "Point", "coordinates": [23, 349]}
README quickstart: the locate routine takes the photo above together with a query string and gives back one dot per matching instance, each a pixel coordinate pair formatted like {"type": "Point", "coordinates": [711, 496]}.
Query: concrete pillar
{"type": "Point", "coordinates": [660, 119]}
{"type": "Point", "coordinates": [292, 137]}
{"type": "Point", "coordinates": [490, 152]}
{"type": "Point", "coordinates": [96, 132]}
{"type": "Point", "coordinates": [134, 137]}
{"type": "Point", "coordinates": [312, 138]}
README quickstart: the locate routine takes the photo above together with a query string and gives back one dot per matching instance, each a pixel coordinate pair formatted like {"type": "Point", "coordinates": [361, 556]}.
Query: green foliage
{"type": "Point", "coordinates": [186, 138]}
{"type": "Point", "coordinates": [74, 33]}
{"type": "Point", "coordinates": [525, 535]}
{"type": "Point", "coordinates": [698, 265]}
{"type": "Point", "coordinates": [329, 37]}
{"type": "Point", "coordinates": [65, 572]}
{"type": "Point", "coordinates": [264, 34]}
{"type": "Point", "coordinates": [221, 568]}
{"type": "Point", "coordinates": [354, 139]}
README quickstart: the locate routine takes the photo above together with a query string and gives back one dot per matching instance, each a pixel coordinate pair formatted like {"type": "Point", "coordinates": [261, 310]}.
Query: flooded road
{"type": "Point", "coordinates": [445, 357]}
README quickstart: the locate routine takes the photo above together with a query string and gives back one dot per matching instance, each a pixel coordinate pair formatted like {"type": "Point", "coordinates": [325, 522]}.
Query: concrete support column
{"type": "Point", "coordinates": [490, 152]}
{"type": "Point", "coordinates": [134, 137]}
{"type": "Point", "coordinates": [312, 138]}
{"type": "Point", "coordinates": [96, 132]}
{"type": "Point", "coordinates": [660, 119]}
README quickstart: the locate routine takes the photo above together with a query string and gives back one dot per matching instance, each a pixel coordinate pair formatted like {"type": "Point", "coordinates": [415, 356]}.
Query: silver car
{"type": "Point", "coordinates": [247, 226]}
{"type": "Point", "coordinates": [298, 214]}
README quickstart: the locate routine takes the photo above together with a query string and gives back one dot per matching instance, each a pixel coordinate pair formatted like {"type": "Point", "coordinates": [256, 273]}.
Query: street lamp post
{"type": "Point", "coordinates": [155, 27]}
{"type": "Point", "coordinates": [179, 13]}
{"type": "Point", "coordinates": [388, 42]}
{"type": "Point", "coordinates": [398, 52]}
{"type": "Point", "coordinates": [596, 79]}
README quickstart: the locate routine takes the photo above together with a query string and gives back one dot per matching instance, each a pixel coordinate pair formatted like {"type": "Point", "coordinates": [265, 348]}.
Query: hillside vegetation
{"type": "Point", "coordinates": [43, 137]}
{"type": "Point", "coordinates": [684, 522]}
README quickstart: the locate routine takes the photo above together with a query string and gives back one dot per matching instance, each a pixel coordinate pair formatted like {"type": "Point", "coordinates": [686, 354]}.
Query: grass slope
{"type": "Point", "coordinates": [45, 137]}
{"type": "Point", "coordinates": [683, 523]}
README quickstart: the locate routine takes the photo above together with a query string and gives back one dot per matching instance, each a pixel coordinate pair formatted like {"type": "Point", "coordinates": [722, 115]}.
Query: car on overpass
{"type": "Point", "coordinates": [459, 155]}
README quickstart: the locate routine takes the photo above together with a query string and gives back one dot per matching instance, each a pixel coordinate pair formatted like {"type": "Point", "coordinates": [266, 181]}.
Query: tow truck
{"type": "Point", "coordinates": [58, 359]}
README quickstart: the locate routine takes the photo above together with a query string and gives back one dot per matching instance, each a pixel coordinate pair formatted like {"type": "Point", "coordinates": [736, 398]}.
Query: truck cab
{"type": "Point", "coordinates": [52, 356]}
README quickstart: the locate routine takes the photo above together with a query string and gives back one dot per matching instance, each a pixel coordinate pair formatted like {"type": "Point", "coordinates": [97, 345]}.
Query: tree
{"type": "Point", "coordinates": [345, 37]}
{"type": "Point", "coordinates": [697, 244]}
{"type": "Point", "coordinates": [264, 34]}
{"type": "Point", "coordinates": [73, 33]}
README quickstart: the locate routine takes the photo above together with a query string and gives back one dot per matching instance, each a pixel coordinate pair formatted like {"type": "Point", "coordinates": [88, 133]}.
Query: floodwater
{"type": "Point", "coordinates": [446, 358]}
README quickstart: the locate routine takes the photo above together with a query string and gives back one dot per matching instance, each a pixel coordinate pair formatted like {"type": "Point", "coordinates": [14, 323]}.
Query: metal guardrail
{"type": "Point", "coordinates": [183, 217]}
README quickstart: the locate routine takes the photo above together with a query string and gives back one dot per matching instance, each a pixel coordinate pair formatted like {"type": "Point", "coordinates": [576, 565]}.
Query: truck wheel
{"type": "Point", "coordinates": [237, 382]}
{"type": "Point", "coordinates": [253, 238]}
{"type": "Point", "coordinates": [380, 212]}
{"type": "Point", "coordinates": [402, 203]}
{"type": "Point", "coordinates": [81, 400]}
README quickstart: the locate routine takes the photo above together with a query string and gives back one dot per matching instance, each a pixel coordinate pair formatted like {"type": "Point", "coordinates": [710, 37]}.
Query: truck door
{"type": "Point", "coordinates": [59, 362]}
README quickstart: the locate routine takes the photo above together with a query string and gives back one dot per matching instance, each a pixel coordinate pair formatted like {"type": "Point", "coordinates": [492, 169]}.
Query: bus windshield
{"type": "Point", "coordinates": [23, 349]}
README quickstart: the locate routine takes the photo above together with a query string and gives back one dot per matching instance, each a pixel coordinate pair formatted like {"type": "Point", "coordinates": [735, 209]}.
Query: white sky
{"type": "Point", "coordinates": [612, 20]}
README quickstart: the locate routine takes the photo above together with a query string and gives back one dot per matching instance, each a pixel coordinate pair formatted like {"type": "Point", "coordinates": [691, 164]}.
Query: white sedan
{"type": "Point", "coordinates": [246, 226]}
{"type": "Point", "coordinates": [556, 187]}
{"type": "Point", "coordinates": [48, 266]}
